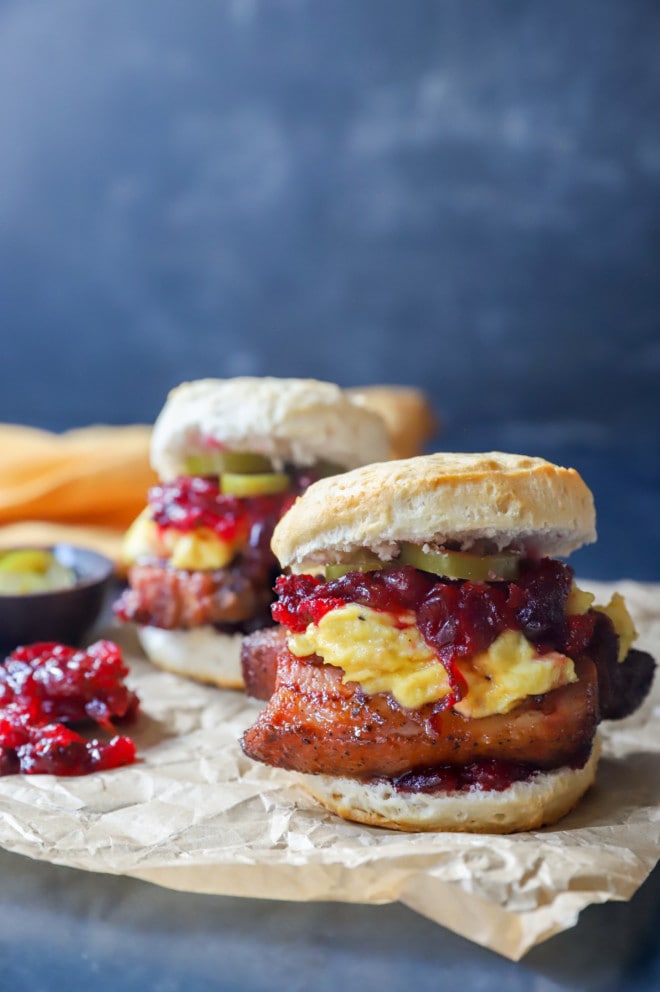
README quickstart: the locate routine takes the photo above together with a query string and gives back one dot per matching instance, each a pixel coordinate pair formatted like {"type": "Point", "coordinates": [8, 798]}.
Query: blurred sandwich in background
{"type": "Point", "coordinates": [408, 414]}
{"type": "Point", "coordinates": [86, 486]}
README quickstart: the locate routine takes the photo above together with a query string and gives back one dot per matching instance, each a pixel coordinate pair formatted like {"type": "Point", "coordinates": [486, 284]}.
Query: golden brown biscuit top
{"type": "Point", "coordinates": [508, 501]}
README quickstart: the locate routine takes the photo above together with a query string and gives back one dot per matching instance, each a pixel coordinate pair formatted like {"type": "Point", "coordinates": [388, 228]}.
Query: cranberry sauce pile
{"type": "Point", "coordinates": [458, 619]}
{"type": "Point", "coordinates": [46, 686]}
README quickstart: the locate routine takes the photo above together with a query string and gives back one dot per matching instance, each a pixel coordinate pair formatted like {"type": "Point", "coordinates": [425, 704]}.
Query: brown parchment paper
{"type": "Point", "coordinates": [195, 814]}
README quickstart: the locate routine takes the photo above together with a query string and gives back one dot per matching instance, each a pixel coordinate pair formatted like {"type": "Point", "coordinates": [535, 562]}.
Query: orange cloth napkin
{"type": "Point", "coordinates": [84, 486]}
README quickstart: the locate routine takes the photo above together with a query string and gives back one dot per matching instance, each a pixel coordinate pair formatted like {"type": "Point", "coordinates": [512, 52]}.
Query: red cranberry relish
{"type": "Point", "coordinates": [479, 776]}
{"type": "Point", "coordinates": [196, 501]}
{"type": "Point", "coordinates": [458, 619]}
{"type": "Point", "coordinates": [46, 685]}
{"type": "Point", "coordinates": [193, 501]}
{"type": "Point", "coordinates": [486, 775]}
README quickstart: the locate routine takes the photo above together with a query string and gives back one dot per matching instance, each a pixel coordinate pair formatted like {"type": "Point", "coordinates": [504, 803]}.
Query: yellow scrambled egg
{"type": "Point", "coordinates": [617, 611]}
{"type": "Point", "coordinates": [384, 653]}
{"type": "Point", "coordinates": [196, 550]}
{"type": "Point", "coordinates": [579, 601]}
{"type": "Point", "coordinates": [508, 672]}
{"type": "Point", "coordinates": [374, 649]}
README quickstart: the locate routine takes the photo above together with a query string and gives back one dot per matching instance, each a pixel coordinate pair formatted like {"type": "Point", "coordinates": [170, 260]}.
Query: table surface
{"type": "Point", "coordinates": [63, 928]}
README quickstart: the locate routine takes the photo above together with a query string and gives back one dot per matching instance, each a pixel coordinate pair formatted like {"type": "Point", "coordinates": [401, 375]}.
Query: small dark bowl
{"type": "Point", "coordinates": [64, 615]}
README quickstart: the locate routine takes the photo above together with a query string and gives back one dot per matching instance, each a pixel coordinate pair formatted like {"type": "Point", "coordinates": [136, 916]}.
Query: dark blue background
{"type": "Point", "coordinates": [464, 196]}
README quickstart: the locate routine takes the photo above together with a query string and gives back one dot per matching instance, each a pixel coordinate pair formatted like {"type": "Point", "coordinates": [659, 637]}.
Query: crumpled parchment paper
{"type": "Point", "coordinates": [195, 814]}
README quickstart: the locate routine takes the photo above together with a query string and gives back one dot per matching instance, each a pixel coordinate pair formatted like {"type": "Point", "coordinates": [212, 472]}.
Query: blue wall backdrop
{"type": "Point", "coordinates": [458, 194]}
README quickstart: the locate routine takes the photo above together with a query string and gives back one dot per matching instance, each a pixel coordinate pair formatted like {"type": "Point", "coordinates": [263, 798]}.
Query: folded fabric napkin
{"type": "Point", "coordinates": [84, 486]}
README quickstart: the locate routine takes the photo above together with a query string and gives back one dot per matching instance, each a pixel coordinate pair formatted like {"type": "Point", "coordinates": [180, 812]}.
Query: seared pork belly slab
{"type": "Point", "coordinates": [259, 656]}
{"type": "Point", "coordinates": [316, 723]}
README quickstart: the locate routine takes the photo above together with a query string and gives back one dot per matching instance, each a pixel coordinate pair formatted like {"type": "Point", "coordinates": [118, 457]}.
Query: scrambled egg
{"type": "Point", "coordinates": [196, 550]}
{"type": "Point", "coordinates": [510, 670]}
{"type": "Point", "coordinates": [580, 601]}
{"type": "Point", "coordinates": [385, 654]}
{"type": "Point", "coordinates": [617, 611]}
{"type": "Point", "coordinates": [376, 651]}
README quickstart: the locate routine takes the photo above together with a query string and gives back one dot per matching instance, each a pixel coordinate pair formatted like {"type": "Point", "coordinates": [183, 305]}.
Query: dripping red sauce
{"type": "Point", "coordinates": [457, 619]}
{"type": "Point", "coordinates": [44, 687]}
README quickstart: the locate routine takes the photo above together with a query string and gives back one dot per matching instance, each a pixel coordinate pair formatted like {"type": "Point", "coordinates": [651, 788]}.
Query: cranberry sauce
{"type": "Point", "coordinates": [195, 501]}
{"type": "Point", "coordinates": [46, 685]}
{"type": "Point", "coordinates": [485, 775]}
{"type": "Point", "coordinates": [479, 776]}
{"type": "Point", "coordinates": [458, 619]}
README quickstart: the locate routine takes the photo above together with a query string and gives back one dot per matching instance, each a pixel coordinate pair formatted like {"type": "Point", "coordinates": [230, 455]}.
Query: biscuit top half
{"type": "Point", "coordinates": [484, 502]}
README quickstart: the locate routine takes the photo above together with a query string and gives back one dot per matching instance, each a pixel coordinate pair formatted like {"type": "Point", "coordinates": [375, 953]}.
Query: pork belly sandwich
{"type": "Point", "coordinates": [231, 456]}
{"type": "Point", "coordinates": [444, 672]}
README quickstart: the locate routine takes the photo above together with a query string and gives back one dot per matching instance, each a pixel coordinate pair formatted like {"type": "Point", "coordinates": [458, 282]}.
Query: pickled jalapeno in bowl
{"type": "Point", "coordinates": [28, 570]}
{"type": "Point", "coordinates": [50, 593]}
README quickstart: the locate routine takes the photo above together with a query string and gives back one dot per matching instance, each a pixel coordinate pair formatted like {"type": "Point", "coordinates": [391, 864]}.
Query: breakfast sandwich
{"type": "Point", "coordinates": [231, 456]}
{"type": "Point", "coordinates": [437, 667]}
